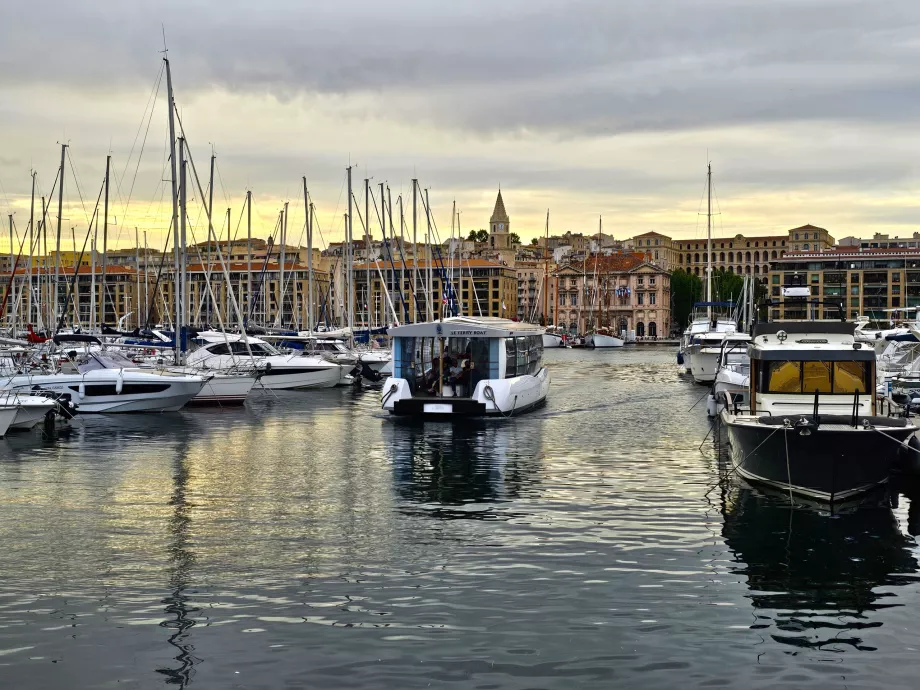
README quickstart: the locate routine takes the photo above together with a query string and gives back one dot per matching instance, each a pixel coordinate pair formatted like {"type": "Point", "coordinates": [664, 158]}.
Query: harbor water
{"type": "Point", "coordinates": [308, 541]}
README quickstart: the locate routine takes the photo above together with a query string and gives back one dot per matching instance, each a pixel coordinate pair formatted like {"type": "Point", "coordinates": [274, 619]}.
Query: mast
{"type": "Point", "coordinates": [709, 240]}
{"type": "Point", "coordinates": [146, 303]}
{"type": "Point", "coordinates": [546, 274]}
{"type": "Point", "coordinates": [12, 280]}
{"type": "Point", "coordinates": [308, 208]}
{"type": "Point", "coordinates": [31, 252]}
{"type": "Point", "coordinates": [415, 243]}
{"type": "Point", "coordinates": [210, 230]}
{"type": "Point", "coordinates": [92, 281]}
{"type": "Point", "coordinates": [180, 249]}
{"type": "Point", "coordinates": [429, 240]}
{"type": "Point", "coordinates": [137, 264]}
{"type": "Point", "coordinates": [402, 249]}
{"type": "Point", "coordinates": [248, 251]}
{"type": "Point", "coordinates": [367, 254]}
{"type": "Point", "coordinates": [349, 286]}
{"type": "Point", "coordinates": [228, 288]}
{"type": "Point", "coordinates": [57, 256]}
{"type": "Point", "coordinates": [281, 257]}
{"type": "Point", "coordinates": [175, 197]}
{"type": "Point", "coordinates": [105, 234]}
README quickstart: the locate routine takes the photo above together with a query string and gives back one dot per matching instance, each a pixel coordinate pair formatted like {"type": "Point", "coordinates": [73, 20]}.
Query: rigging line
{"type": "Point", "coordinates": [77, 184]}
{"type": "Point", "coordinates": [222, 187]}
{"type": "Point", "coordinates": [140, 155]}
{"type": "Point", "coordinates": [152, 97]}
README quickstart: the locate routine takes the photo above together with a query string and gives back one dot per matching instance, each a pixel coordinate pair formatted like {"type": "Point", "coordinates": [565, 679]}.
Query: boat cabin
{"type": "Point", "coordinates": [803, 367]}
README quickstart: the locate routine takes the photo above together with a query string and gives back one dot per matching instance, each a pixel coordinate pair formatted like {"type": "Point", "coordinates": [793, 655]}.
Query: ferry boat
{"type": "Point", "coordinates": [491, 367]}
{"type": "Point", "coordinates": [811, 427]}
{"type": "Point", "coordinates": [602, 337]}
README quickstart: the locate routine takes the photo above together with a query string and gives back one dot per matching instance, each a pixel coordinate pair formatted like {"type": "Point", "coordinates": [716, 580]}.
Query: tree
{"type": "Point", "coordinates": [478, 236]}
{"type": "Point", "coordinates": [515, 239]}
{"type": "Point", "coordinates": [726, 286]}
{"type": "Point", "coordinates": [534, 242]}
{"type": "Point", "coordinates": [686, 290]}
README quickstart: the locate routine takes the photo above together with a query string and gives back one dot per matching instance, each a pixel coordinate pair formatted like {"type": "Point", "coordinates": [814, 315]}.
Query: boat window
{"type": "Point", "coordinates": [523, 355]}
{"type": "Point", "coordinates": [219, 349]}
{"type": "Point", "coordinates": [510, 359]}
{"type": "Point", "coordinates": [841, 378]}
{"type": "Point", "coordinates": [816, 376]}
{"type": "Point", "coordinates": [784, 377]}
{"type": "Point", "coordinates": [849, 377]}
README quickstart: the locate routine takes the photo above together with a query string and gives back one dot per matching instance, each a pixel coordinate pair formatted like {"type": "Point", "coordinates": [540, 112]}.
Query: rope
{"type": "Point", "coordinates": [787, 425]}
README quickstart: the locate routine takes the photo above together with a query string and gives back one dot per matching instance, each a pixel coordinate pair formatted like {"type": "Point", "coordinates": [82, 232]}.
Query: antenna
{"type": "Point", "coordinates": [165, 49]}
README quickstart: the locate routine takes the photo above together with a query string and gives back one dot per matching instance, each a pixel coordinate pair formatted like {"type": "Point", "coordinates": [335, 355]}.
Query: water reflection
{"type": "Point", "coordinates": [460, 471]}
{"type": "Point", "coordinates": [181, 558]}
{"type": "Point", "coordinates": [814, 576]}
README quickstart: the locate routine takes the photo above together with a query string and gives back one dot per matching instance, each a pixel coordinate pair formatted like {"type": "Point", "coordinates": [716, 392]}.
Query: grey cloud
{"type": "Point", "coordinates": [563, 68]}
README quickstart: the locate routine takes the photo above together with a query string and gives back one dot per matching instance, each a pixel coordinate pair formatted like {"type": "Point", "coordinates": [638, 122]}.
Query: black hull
{"type": "Point", "coordinates": [827, 464]}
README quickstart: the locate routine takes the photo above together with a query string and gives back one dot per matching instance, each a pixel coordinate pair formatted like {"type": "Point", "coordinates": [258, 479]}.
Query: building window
{"type": "Point", "coordinates": [656, 243]}
{"type": "Point", "coordinates": [815, 278]}
{"type": "Point", "coordinates": [651, 298]}
{"type": "Point", "coordinates": [640, 280]}
{"type": "Point", "coordinates": [651, 280]}
{"type": "Point", "coordinates": [641, 298]}
{"type": "Point", "coordinates": [854, 289]}
{"type": "Point", "coordinates": [722, 257]}
{"type": "Point", "coordinates": [806, 246]}
{"type": "Point", "coordinates": [814, 236]}
{"type": "Point", "coordinates": [854, 301]}
{"type": "Point", "coordinates": [574, 299]}
{"type": "Point", "coordinates": [656, 254]}
{"type": "Point", "coordinates": [895, 277]}
{"type": "Point", "coordinates": [854, 278]}
{"type": "Point", "coordinates": [796, 235]}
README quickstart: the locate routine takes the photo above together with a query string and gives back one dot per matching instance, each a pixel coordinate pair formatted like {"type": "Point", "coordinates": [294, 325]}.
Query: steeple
{"type": "Point", "coordinates": [499, 220]}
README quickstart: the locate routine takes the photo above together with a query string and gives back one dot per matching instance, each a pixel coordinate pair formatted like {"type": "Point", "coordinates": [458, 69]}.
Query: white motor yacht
{"type": "Point", "coordinates": [223, 351]}
{"type": "Point", "coordinates": [733, 373]}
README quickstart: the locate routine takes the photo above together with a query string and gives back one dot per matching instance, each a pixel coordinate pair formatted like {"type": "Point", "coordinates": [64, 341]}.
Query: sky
{"type": "Point", "coordinates": [807, 109]}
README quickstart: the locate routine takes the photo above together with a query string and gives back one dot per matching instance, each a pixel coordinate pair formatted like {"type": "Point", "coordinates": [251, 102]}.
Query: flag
{"type": "Point", "coordinates": [503, 306]}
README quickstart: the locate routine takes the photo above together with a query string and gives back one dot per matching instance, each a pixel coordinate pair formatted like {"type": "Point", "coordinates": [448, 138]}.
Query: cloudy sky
{"type": "Point", "coordinates": [808, 109]}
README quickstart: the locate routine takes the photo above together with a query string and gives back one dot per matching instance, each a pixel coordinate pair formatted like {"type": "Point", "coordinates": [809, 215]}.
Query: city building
{"type": "Point", "coordinates": [880, 241]}
{"type": "Point", "coordinates": [478, 287]}
{"type": "Point", "coordinates": [865, 282]}
{"type": "Point", "coordinates": [658, 249]}
{"type": "Point", "coordinates": [750, 255]}
{"type": "Point", "coordinates": [623, 292]}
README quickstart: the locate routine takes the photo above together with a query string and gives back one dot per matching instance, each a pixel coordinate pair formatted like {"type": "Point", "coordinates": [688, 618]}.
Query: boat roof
{"type": "Point", "coordinates": [467, 326]}
{"type": "Point", "coordinates": [808, 340]}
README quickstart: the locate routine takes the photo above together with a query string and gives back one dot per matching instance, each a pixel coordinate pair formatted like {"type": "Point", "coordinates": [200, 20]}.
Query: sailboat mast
{"type": "Point", "coordinates": [174, 181]}
{"type": "Point", "coordinates": [546, 273]}
{"type": "Point", "coordinates": [709, 240]}
{"type": "Point", "coordinates": [57, 257]}
{"type": "Point", "coordinates": [181, 284]}
{"type": "Point", "coordinates": [248, 251]}
{"type": "Point", "coordinates": [367, 254]}
{"type": "Point", "coordinates": [282, 258]}
{"type": "Point", "coordinates": [430, 240]}
{"type": "Point", "coordinates": [210, 231]}
{"type": "Point", "coordinates": [31, 252]}
{"type": "Point", "coordinates": [349, 286]}
{"type": "Point", "coordinates": [105, 234]}
{"type": "Point", "coordinates": [415, 243]}
{"type": "Point", "coordinates": [308, 209]}
{"type": "Point", "coordinates": [137, 264]}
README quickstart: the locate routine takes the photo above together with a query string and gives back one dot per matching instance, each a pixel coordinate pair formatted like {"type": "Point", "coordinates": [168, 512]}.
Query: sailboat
{"type": "Point", "coordinates": [552, 337]}
{"type": "Point", "coordinates": [704, 344]}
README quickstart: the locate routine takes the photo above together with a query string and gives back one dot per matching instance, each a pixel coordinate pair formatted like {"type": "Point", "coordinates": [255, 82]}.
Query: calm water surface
{"type": "Point", "coordinates": [307, 541]}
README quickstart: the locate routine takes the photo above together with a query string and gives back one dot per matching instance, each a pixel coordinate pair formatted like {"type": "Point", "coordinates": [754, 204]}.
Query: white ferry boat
{"type": "Point", "coordinates": [466, 367]}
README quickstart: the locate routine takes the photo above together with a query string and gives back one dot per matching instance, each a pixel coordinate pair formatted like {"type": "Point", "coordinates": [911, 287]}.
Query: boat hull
{"type": "Point", "coordinates": [224, 389]}
{"type": "Point", "coordinates": [552, 340]}
{"type": "Point", "coordinates": [141, 392]}
{"type": "Point", "coordinates": [294, 378]}
{"type": "Point", "coordinates": [830, 463]}
{"type": "Point", "coordinates": [703, 364]}
{"type": "Point", "coordinates": [7, 416]}
{"type": "Point", "coordinates": [597, 340]}
{"type": "Point", "coordinates": [31, 411]}
{"type": "Point", "coordinates": [490, 398]}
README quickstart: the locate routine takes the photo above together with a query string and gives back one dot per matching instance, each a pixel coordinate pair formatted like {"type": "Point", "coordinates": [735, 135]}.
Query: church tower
{"type": "Point", "coordinates": [500, 226]}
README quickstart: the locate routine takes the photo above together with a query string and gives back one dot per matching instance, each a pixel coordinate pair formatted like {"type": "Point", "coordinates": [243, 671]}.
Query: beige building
{"type": "Point", "coordinates": [623, 292]}
{"type": "Point", "coordinates": [658, 249]}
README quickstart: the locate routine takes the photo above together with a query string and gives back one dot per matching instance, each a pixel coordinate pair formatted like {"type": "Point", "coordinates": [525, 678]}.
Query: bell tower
{"type": "Point", "coordinates": [500, 226]}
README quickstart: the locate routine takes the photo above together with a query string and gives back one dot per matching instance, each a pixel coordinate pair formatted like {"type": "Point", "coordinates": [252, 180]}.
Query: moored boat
{"type": "Point", "coordinates": [812, 428]}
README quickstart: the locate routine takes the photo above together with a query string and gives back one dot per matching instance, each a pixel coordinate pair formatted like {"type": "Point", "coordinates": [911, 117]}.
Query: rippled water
{"type": "Point", "coordinates": [308, 541]}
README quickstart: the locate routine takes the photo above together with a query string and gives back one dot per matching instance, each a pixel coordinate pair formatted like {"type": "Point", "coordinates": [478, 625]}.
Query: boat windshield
{"type": "Point", "coordinates": [418, 359]}
{"type": "Point", "coordinates": [841, 378]}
